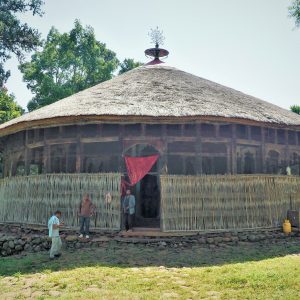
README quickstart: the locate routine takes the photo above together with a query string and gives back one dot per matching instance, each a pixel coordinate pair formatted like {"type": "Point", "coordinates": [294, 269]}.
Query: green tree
{"type": "Point", "coordinates": [294, 11]}
{"type": "Point", "coordinates": [295, 109]}
{"type": "Point", "coordinates": [67, 63]}
{"type": "Point", "coordinates": [16, 37]}
{"type": "Point", "coordinates": [9, 109]}
{"type": "Point", "coordinates": [128, 64]}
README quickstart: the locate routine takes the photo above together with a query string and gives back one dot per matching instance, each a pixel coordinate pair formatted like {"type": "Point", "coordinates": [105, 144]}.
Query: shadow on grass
{"type": "Point", "coordinates": [121, 255]}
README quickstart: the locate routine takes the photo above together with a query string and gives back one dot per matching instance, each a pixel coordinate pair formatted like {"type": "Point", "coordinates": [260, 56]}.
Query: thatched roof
{"type": "Point", "coordinates": [156, 91]}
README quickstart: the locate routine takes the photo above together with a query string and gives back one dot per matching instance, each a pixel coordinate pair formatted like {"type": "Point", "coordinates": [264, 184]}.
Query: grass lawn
{"type": "Point", "coordinates": [133, 271]}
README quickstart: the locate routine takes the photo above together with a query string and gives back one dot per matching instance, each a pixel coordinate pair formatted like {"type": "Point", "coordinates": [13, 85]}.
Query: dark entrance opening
{"type": "Point", "coordinates": [147, 191]}
{"type": "Point", "coordinates": [148, 202]}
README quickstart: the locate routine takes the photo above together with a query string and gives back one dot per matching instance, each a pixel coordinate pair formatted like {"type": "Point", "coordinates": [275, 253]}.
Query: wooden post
{"type": "Point", "coordinates": [248, 132]}
{"type": "Point", "coordinates": [67, 149]}
{"type": "Point", "coordinates": [143, 133]}
{"type": "Point", "coordinates": [79, 167]}
{"type": "Point", "coordinates": [217, 126]}
{"type": "Point", "coordinates": [47, 155]}
{"type": "Point", "coordinates": [263, 150]}
{"type": "Point", "coordinates": [228, 159]}
{"type": "Point", "coordinates": [198, 149]}
{"type": "Point", "coordinates": [121, 158]}
{"type": "Point", "coordinates": [26, 154]}
{"type": "Point", "coordinates": [286, 149]}
{"type": "Point", "coordinates": [233, 150]}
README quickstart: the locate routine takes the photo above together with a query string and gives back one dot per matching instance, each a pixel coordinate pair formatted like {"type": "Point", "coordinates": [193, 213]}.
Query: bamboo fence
{"type": "Point", "coordinates": [226, 202]}
{"type": "Point", "coordinates": [33, 199]}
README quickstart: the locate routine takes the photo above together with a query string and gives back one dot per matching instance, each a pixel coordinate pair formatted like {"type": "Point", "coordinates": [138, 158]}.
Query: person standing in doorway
{"type": "Point", "coordinates": [53, 225]}
{"type": "Point", "coordinates": [128, 207]}
{"type": "Point", "coordinates": [86, 211]}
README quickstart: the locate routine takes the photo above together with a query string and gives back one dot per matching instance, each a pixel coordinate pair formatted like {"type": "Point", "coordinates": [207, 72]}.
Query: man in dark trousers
{"type": "Point", "coordinates": [86, 211]}
{"type": "Point", "coordinates": [128, 207]}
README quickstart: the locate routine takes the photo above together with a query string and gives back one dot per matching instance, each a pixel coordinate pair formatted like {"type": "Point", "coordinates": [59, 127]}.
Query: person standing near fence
{"type": "Point", "coordinates": [53, 225]}
{"type": "Point", "coordinates": [86, 211]}
{"type": "Point", "coordinates": [128, 206]}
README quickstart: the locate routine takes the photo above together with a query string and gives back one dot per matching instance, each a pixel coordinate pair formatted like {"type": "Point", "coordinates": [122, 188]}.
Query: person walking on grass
{"type": "Point", "coordinates": [53, 225]}
{"type": "Point", "coordinates": [86, 211]}
{"type": "Point", "coordinates": [128, 207]}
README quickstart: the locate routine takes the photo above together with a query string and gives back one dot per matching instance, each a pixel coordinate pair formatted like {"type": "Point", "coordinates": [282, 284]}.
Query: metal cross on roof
{"type": "Point", "coordinates": [157, 38]}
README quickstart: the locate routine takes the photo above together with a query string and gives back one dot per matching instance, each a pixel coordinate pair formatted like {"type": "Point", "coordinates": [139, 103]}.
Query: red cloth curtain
{"type": "Point", "coordinates": [138, 167]}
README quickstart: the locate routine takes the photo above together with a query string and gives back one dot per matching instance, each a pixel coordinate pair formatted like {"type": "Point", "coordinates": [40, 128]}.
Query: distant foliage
{"type": "Point", "coordinates": [9, 109]}
{"type": "Point", "coordinates": [16, 37]}
{"type": "Point", "coordinates": [68, 63]}
{"type": "Point", "coordinates": [296, 109]}
{"type": "Point", "coordinates": [294, 11]}
{"type": "Point", "coordinates": [128, 64]}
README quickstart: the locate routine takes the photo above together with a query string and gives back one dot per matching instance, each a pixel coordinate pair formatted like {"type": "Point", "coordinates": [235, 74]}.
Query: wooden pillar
{"type": "Point", "coordinates": [228, 159]}
{"type": "Point", "coordinates": [198, 149]}
{"type": "Point", "coordinates": [248, 131]}
{"type": "Point", "coordinates": [11, 167]}
{"type": "Point", "coordinates": [217, 126]}
{"type": "Point", "coordinates": [263, 150]}
{"type": "Point", "coordinates": [286, 149]}
{"type": "Point", "coordinates": [143, 129]}
{"type": "Point", "coordinates": [163, 169]}
{"type": "Point", "coordinates": [79, 167]}
{"type": "Point", "coordinates": [122, 146]}
{"type": "Point", "coordinates": [46, 157]}
{"type": "Point", "coordinates": [26, 154]}
{"type": "Point", "coordinates": [233, 150]}
{"type": "Point", "coordinates": [8, 159]}
{"type": "Point", "coordinates": [276, 136]}
{"type": "Point", "coordinates": [67, 151]}
{"type": "Point", "coordinates": [6, 164]}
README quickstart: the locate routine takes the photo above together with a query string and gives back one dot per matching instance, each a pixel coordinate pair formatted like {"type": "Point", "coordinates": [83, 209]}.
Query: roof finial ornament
{"type": "Point", "coordinates": [157, 38]}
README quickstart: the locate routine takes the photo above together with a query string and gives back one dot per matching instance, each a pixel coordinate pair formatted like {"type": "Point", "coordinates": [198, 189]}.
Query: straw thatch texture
{"type": "Point", "coordinates": [158, 92]}
{"type": "Point", "coordinates": [33, 199]}
{"type": "Point", "coordinates": [226, 202]}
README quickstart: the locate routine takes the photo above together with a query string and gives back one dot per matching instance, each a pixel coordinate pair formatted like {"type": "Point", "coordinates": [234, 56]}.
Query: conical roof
{"type": "Point", "coordinates": [155, 92]}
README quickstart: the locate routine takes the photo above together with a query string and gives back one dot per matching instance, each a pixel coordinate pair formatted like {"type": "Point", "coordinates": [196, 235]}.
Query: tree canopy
{"type": "Point", "coordinates": [67, 63]}
{"type": "Point", "coordinates": [295, 109]}
{"type": "Point", "coordinates": [294, 11]}
{"type": "Point", "coordinates": [9, 109]}
{"type": "Point", "coordinates": [128, 64]}
{"type": "Point", "coordinates": [16, 37]}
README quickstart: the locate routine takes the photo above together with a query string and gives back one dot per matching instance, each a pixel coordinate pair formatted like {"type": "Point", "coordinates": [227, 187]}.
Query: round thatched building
{"type": "Point", "coordinates": [244, 146]}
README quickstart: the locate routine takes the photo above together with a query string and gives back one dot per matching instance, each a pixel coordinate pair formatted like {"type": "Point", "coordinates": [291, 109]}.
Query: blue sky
{"type": "Point", "coordinates": [249, 45]}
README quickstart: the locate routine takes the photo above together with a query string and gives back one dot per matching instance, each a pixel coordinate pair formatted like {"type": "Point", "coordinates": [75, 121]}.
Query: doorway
{"type": "Point", "coordinates": [147, 195]}
{"type": "Point", "coordinates": [147, 190]}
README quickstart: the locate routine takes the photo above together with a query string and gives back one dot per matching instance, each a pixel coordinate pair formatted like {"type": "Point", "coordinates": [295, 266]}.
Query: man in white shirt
{"type": "Point", "coordinates": [53, 225]}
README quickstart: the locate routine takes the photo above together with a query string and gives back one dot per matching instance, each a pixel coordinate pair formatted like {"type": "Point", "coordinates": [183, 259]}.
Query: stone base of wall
{"type": "Point", "coordinates": [17, 239]}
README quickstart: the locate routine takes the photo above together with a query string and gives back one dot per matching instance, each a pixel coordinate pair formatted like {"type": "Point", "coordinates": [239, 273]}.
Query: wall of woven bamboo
{"type": "Point", "coordinates": [226, 202]}
{"type": "Point", "coordinates": [33, 199]}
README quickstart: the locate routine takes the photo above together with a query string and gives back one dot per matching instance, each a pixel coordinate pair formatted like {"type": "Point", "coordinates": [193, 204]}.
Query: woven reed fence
{"type": "Point", "coordinates": [33, 199]}
{"type": "Point", "coordinates": [226, 202]}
